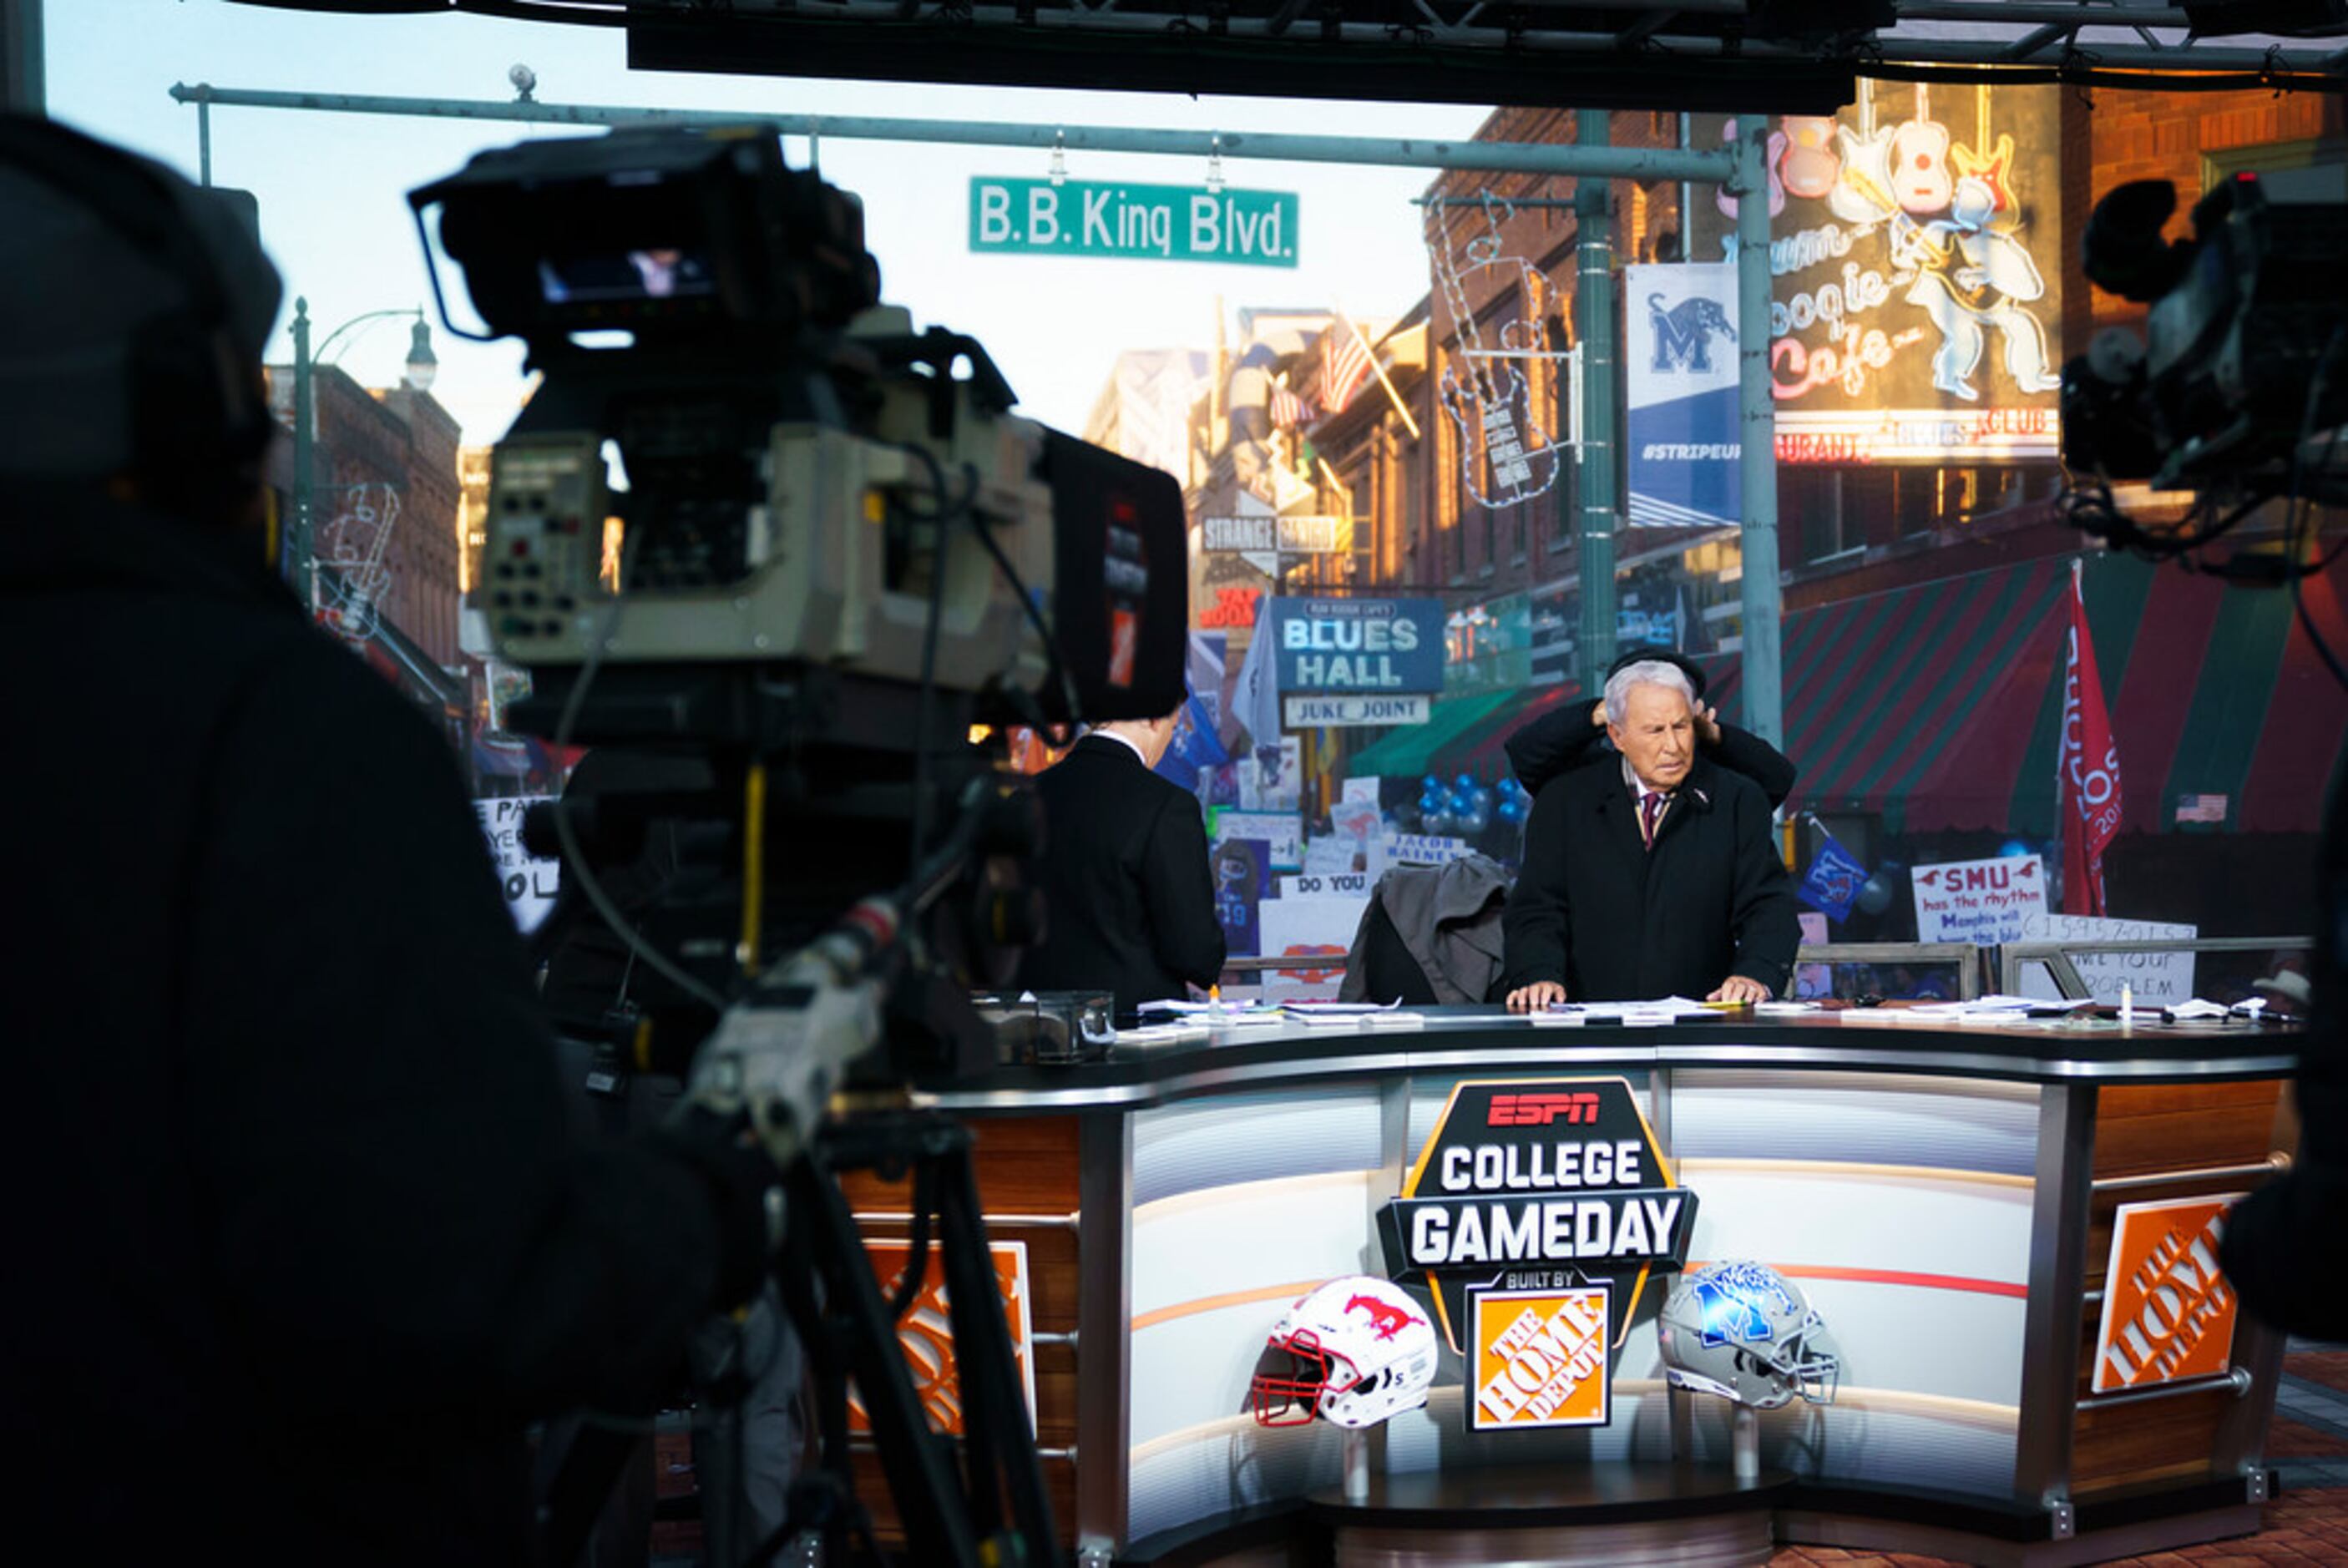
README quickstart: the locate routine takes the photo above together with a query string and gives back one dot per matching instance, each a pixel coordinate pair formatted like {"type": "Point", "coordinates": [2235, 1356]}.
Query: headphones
{"type": "Point", "coordinates": [200, 418]}
{"type": "Point", "coordinates": [1672, 656]}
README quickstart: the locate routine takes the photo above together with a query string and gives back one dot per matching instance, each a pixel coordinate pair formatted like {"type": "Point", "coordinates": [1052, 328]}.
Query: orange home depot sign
{"type": "Point", "coordinates": [1540, 1358]}
{"type": "Point", "coordinates": [2168, 1314]}
{"type": "Point", "coordinates": [926, 1332]}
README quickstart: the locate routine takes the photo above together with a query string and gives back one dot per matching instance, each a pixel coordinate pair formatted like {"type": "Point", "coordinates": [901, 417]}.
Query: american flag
{"type": "Point", "coordinates": [1346, 367]}
{"type": "Point", "coordinates": [1289, 410]}
{"type": "Point", "coordinates": [2201, 808]}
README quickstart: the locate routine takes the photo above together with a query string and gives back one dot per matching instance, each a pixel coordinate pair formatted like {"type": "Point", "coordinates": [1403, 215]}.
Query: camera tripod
{"type": "Point", "coordinates": [991, 1508]}
{"type": "Point", "coordinates": [875, 999]}
{"type": "Point", "coordinates": [996, 1509]}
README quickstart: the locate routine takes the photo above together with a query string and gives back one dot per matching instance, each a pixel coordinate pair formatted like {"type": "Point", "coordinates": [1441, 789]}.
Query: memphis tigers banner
{"type": "Point", "coordinates": [1679, 370]}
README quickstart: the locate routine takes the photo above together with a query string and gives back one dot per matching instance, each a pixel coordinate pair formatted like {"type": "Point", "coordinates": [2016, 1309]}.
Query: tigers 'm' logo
{"type": "Point", "coordinates": [1683, 333]}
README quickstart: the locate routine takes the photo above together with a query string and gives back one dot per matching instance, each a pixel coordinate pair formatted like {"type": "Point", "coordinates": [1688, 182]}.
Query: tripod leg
{"type": "Point", "coordinates": [930, 1503]}
{"type": "Point", "coordinates": [796, 1277]}
{"type": "Point", "coordinates": [590, 1473]}
{"type": "Point", "coordinates": [998, 1435]}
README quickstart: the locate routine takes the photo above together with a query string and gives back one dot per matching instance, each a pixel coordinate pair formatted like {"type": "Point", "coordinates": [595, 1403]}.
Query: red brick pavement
{"type": "Point", "coordinates": [2303, 1528]}
{"type": "Point", "coordinates": [2329, 1367]}
{"type": "Point", "coordinates": [2289, 1440]}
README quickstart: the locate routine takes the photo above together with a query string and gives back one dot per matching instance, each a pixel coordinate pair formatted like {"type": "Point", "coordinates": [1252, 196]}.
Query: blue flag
{"type": "Point", "coordinates": [1193, 747]}
{"type": "Point", "coordinates": [1833, 881]}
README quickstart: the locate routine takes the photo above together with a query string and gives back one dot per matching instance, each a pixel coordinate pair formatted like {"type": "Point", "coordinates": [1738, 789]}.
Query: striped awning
{"type": "Point", "coordinates": [1938, 705]}
{"type": "Point", "coordinates": [1419, 748]}
{"type": "Point", "coordinates": [1483, 751]}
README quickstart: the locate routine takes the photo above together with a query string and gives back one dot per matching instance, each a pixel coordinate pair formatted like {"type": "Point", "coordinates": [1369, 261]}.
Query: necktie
{"type": "Point", "coordinates": [1651, 811]}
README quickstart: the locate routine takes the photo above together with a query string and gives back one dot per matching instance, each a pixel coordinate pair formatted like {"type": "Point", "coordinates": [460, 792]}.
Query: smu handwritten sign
{"type": "Point", "coordinates": [1982, 901]}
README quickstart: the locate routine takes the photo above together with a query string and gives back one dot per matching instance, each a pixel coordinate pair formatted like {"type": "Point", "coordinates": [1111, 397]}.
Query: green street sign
{"type": "Point", "coordinates": [1132, 223]}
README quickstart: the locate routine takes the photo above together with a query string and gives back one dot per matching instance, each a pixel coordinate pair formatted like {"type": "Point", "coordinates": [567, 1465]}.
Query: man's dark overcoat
{"type": "Point", "coordinates": [1594, 908]}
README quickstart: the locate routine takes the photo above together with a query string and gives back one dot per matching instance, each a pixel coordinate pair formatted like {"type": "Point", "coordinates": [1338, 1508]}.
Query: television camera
{"type": "Point", "coordinates": [2237, 388]}
{"type": "Point", "coordinates": [2238, 392]}
{"type": "Point", "coordinates": [823, 548]}
{"type": "Point", "coordinates": [752, 520]}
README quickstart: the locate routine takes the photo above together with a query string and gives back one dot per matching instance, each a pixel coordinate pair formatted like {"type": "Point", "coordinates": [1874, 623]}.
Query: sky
{"type": "Point", "coordinates": [332, 186]}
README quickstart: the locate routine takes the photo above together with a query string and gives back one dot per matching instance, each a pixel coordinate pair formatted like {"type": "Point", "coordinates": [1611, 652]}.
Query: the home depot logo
{"type": "Point", "coordinates": [1540, 1358]}
{"type": "Point", "coordinates": [2168, 1314]}
{"type": "Point", "coordinates": [926, 1331]}
{"type": "Point", "coordinates": [1540, 1109]}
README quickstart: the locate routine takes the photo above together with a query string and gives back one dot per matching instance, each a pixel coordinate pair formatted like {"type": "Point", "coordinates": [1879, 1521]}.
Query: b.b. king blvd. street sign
{"type": "Point", "coordinates": [1139, 222]}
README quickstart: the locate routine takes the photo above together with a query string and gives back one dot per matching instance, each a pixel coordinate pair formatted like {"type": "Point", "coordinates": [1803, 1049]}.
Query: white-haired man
{"type": "Point", "coordinates": [1655, 879]}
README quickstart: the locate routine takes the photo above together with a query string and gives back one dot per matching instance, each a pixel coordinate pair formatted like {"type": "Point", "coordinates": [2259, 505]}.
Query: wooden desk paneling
{"type": "Point", "coordinates": [1024, 1165]}
{"type": "Point", "coordinates": [2142, 1130]}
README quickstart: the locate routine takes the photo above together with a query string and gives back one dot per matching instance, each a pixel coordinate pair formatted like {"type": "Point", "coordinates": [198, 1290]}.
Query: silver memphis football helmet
{"type": "Point", "coordinates": [1745, 1332]}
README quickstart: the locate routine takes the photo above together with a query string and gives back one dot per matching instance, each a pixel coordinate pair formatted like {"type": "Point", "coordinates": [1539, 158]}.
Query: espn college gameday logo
{"type": "Point", "coordinates": [1542, 1189]}
{"type": "Point", "coordinates": [1540, 1359]}
{"type": "Point", "coordinates": [1540, 1109]}
{"type": "Point", "coordinates": [2168, 1314]}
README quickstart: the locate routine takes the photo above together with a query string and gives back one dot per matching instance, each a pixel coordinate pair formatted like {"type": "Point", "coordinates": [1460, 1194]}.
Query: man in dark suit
{"type": "Point", "coordinates": [1654, 878]}
{"type": "Point", "coordinates": [1130, 903]}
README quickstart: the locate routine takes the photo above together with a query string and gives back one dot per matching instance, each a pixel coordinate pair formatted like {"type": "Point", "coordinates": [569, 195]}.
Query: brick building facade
{"type": "Point", "coordinates": [1919, 593]}
{"type": "Point", "coordinates": [384, 462]}
{"type": "Point", "coordinates": [1843, 530]}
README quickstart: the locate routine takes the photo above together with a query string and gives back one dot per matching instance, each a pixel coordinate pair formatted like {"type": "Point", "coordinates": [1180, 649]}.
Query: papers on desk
{"type": "Point", "coordinates": [2198, 1011]}
{"type": "Point", "coordinates": [1214, 1012]}
{"type": "Point", "coordinates": [1353, 1016]}
{"type": "Point", "coordinates": [1991, 1009]}
{"type": "Point", "coordinates": [1663, 1010]}
{"type": "Point", "coordinates": [1162, 1035]}
{"type": "Point", "coordinates": [1784, 1009]}
{"type": "Point", "coordinates": [1348, 1016]}
{"type": "Point", "coordinates": [2049, 1013]}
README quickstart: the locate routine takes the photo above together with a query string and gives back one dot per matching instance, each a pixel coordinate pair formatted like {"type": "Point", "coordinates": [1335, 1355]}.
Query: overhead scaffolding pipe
{"type": "Point", "coordinates": [1498, 156]}
{"type": "Point", "coordinates": [1757, 439]}
{"type": "Point", "coordinates": [1593, 255]}
{"type": "Point", "coordinates": [1589, 160]}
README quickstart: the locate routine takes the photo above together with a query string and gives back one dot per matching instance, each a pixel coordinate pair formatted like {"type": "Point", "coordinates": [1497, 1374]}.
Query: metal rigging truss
{"type": "Point", "coordinates": [1789, 56]}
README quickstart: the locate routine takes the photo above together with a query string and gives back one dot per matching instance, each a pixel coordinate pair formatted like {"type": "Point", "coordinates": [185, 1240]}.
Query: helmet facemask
{"type": "Point", "coordinates": [1303, 1373]}
{"type": "Point", "coordinates": [1807, 1360]}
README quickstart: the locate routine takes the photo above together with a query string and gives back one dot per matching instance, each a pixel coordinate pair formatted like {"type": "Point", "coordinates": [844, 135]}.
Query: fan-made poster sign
{"type": "Point", "coordinates": [1554, 1193]}
{"type": "Point", "coordinates": [528, 883]}
{"type": "Point", "coordinates": [1916, 253]}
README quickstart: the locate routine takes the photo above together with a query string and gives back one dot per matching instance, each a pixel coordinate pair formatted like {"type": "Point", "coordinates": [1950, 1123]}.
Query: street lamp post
{"type": "Point", "coordinates": [423, 365]}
